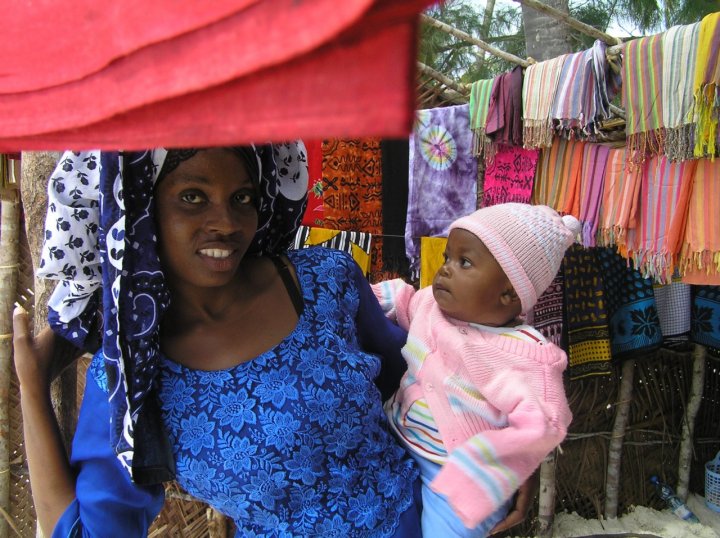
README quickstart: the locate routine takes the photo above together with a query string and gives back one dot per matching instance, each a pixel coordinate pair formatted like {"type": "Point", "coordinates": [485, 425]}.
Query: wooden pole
{"type": "Point", "coordinates": [452, 86]}
{"type": "Point", "coordinates": [470, 39]}
{"type": "Point", "coordinates": [9, 254]}
{"type": "Point", "coordinates": [612, 484]}
{"type": "Point", "coordinates": [546, 501]}
{"type": "Point", "coordinates": [570, 21]}
{"type": "Point", "coordinates": [688, 424]}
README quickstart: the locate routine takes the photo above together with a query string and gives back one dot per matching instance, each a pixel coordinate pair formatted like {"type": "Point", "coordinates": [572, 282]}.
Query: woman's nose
{"type": "Point", "coordinates": [221, 219]}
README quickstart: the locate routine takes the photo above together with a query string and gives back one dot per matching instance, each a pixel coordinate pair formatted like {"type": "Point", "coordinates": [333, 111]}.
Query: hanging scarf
{"type": "Point", "coordinates": [504, 117]}
{"type": "Point", "coordinates": [557, 179]}
{"type": "Point", "coordinates": [395, 160]}
{"type": "Point", "coordinates": [480, 92]}
{"type": "Point", "coordinates": [673, 303]}
{"type": "Point", "coordinates": [705, 325]}
{"type": "Point", "coordinates": [314, 211]}
{"type": "Point", "coordinates": [700, 245]}
{"type": "Point", "coordinates": [706, 86]}
{"type": "Point", "coordinates": [595, 158]}
{"type": "Point", "coordinates": [510, 176]}
{"type": "Point", "coordinates": [547, 314]}
{"type": "Point", "coordinates": [100, 237]}
{"type": "Point", "coordinates": [442, 176]}
{"type": "Point", "coordinates": [641, 97]}
{"type": "Point", "coordinates": [538, 94]}
{"type": "Point", "coordinates": [621, 192]}
{"type": "Point", "coordinates": [664, 195]}
{"type": "Point", "coordinates": [680, 45]}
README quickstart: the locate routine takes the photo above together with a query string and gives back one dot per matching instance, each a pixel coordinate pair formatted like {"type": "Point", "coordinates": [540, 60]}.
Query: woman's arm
{"type": "Point", "coordinates": [51, 479]}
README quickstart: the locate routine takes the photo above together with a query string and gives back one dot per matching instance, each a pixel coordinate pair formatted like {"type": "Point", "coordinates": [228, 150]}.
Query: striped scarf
{"type": "Point", "coordinates": [679, 55]}
{"type": "Point", "coordinates": [557, 179]}
{"type": "Point", "coordinates": [706, 87]}
{"type": "Point", "coordinates": [700, 251]}
{"type": "Point", "coordinates": [595, 158]}
{"type": "Point", "coordinates": [538, 94]}
{"type": "Point", "coordinates": [479, 102]}
{"type": "Point", "coordinates": [664, 192]}
{"type": "Point", "coordinates": [620, 200]}
{"type": "Point", "coordinates": [641, 87]}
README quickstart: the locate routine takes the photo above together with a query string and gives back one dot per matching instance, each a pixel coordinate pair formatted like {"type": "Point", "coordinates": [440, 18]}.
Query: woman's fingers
{"type": "Point", "coordinates": [21, 330]}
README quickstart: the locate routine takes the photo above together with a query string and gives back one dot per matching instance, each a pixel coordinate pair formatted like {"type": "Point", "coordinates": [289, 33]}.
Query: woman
{"type": "Point", "coordinates": [264, 385]}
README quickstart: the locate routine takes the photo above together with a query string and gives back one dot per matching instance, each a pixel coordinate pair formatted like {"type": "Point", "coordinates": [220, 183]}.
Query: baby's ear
{"type": "Point", "coordinates": [509, 297]}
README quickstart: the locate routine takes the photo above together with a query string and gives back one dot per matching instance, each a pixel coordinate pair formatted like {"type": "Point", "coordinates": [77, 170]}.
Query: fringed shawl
{"type": "Point", "coordinates": [707, 86]}
{"type": "Point", "coordinates": [595, 157]}
{"type": "Point", "coordinates": [679, 58]}
{"type": "Point", "coordinates": [621, 192]}
{"type": "Point", "coordinates": [480, 92]}
{"type": "Point", "coordinates": [700, 251]}
{"type": "Point", "coordinates": [504, 121]}
{"type": "Point", "coordinates": [557, 180]}
{"type": "Point", "coordinates": [538, 94]}
{"type": "Point", "coordinates": [641, 97]}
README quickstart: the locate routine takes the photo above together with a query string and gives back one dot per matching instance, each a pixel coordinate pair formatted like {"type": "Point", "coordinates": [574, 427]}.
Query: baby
{"type": "Point", "coordinates": [482, 402]}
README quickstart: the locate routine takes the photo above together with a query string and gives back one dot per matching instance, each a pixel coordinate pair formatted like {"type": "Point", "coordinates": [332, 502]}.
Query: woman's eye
{"type": "Point", "coordinates": [244, 198]}
{"type": "Point", "coordinates": [191, 197]}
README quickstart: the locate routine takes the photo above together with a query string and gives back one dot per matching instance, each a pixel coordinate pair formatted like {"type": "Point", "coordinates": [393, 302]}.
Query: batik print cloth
{"type": "Point", "coordinates": [100, 244]}
{"type": "Point", "coordinates": [510, 176]}
{"type": "Point", "coordinates": [442, 176]}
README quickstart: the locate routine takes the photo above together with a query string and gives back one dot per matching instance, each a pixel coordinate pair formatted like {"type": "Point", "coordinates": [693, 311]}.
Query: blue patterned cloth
{"type": "Point", "coordinates": [294, 442]}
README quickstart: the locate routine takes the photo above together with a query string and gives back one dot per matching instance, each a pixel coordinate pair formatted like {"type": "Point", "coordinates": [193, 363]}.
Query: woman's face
{"type": "Point", "coordinates": [207, 216]}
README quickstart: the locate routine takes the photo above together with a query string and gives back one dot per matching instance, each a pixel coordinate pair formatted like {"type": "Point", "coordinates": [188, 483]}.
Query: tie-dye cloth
{"type": "Point", "coordinates": [101, 245]}
{"type": "Point", "coordinates": [510, 176]}
{"type": "Point", "coordinates": [442, 176]}
{"type": "Point", "coordinates": [679, 58]}
{"type": "Point", "coordinates": [706, 86]}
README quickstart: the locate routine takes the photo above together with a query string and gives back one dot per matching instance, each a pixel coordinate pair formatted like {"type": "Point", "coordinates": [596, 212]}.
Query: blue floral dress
{"type": "Point", "coordinates": [295, 441]}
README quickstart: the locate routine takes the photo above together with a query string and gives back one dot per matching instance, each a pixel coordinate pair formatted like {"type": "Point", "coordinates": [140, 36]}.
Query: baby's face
{"type": "Point", "coordinates": [470, 284]}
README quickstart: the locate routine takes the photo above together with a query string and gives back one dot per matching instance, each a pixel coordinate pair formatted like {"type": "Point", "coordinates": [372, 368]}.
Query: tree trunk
{"type": "Point", "coordinates": [688, 425]}
{"type": "Point", "coordinates": [545, 37]}
{"type": "Point", "coordinates": [9, 257]}
{"type": "Point", "coordinates": [546, 509]}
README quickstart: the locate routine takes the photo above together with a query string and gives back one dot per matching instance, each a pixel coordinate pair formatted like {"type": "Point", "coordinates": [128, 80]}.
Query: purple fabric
{"type": "Point", "coordinates": [594, 163]}
{"type": "Point", "coordinates": [504, 119]}
{"type": "Point", "coordinates": [442, 175]}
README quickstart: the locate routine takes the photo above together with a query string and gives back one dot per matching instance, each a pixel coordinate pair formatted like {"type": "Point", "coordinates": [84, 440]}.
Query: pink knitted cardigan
{"type": "Point", "coordinates": [498, 402]}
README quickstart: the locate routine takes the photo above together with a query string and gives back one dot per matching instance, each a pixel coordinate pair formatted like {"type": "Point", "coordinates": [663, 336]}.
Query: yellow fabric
{"type": "Point", "coordinates": [318, 236]}
{"type": "Point", "coordinates": [707, 77]}
{"type": "Point", "coordinates": [432, 250]}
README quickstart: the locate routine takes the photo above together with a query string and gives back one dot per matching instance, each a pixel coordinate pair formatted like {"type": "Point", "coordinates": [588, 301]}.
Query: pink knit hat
{"type": "Point", "coordinates": [528, 241]}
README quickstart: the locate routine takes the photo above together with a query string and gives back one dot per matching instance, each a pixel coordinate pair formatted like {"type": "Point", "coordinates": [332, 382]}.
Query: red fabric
{"type": "Point", "coordinates": [277, 70]}
{"type": "Point", "coordinates": [314, 211]}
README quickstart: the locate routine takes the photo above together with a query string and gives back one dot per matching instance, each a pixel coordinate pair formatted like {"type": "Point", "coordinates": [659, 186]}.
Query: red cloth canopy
{"type": "Point", "coordinates": [134, 75]}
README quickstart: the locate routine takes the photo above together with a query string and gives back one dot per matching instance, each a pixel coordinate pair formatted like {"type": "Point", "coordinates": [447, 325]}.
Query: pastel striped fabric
{"type": "Point", "coordinates": [480, 92]}
{"type": "Point", "coordinates": [620, 199]}
{"type": "Point", "coordinates": [595, 157]}
{"type": "Point", "coordinates": [557, 179]}
{"type": "Point", "coordinates": [641, 87]}
{"type": "Point", "coordinates": [538, 94]}
{"type": "Point", "coordinates": [700, 251]}
{"type": "Point", "coordinates": [706, 86]}
{"type": "Point", "coordinates": [679, 58]}
{"type": "Point", "coordinates": [664, 193]}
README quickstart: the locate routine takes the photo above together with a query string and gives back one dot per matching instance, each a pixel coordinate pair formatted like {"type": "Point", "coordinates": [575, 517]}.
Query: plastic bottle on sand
{"type": "Point", "coordinates": [676, 505]}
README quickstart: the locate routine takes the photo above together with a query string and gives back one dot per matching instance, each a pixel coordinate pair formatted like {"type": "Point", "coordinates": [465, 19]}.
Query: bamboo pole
{"type": "Point", "coordinates": [546, 501]}
{"type": "Point", "coordinates": [688, 424]}
{"type": "Point", "coordinates": [9, 254]}
{"type": "Point", "coordinates": [570, 21]}
{"type": "Point", "coordinates": [612, 484]}
{"type": "Point", "coordinates": [470, 39]}
{"type": "Point", "coordinates": [451, 85]}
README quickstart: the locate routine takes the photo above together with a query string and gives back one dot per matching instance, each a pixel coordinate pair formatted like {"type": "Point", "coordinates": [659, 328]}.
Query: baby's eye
{"type": "Point", "coordinates": [191, 197]}
{"type": "Point", "coordinates": [465, 262]}
{"type": "Point", "coordinates": [445, 257]}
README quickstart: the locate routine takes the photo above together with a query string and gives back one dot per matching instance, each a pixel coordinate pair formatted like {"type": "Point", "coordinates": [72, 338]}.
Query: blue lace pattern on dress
{"type": "Point", "coordinates": [294, 442]}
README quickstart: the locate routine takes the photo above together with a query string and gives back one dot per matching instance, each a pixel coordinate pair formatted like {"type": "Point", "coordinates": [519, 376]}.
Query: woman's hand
{"type": "Point", "coordinates": [523, 501]}
{"type": "Point", "coordinates": [33, 356]}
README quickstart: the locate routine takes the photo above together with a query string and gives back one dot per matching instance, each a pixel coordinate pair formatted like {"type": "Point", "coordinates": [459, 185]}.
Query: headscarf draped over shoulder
{"type": "Point", "coordinates": [101, 245]}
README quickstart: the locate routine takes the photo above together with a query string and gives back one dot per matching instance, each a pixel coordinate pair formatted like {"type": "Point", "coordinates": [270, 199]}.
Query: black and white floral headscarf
{"type": "Point", "coordinates": [101, 245]}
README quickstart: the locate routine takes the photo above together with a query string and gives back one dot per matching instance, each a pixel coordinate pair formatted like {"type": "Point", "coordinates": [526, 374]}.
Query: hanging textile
{"type": "Point", "coordinates": [432, 256]}
{"type": "Point", "coordinates": [673, 302]}
{"type": "Point", "coordinates": [538, 95]}
{"type": "Point", "coordinates": [700, 246]}
{"type": "Point", "coordinates": [395, 162]}
{"type": "Point", "coordinates": [442, 176]}
{"type": "Point", "coordinates": [630, 302]}
{"type": "Point", "coordinates": [664, 194]}
{"type": "Point", "coordinates": [586, 314]}
{"type": "Point", "coordinates": [679, 45]}
{"type": "Point", "coordinates": [480, 92]}
{"type": "Point", "coordinates": [620, 200]}
{"type": "Point", "coordinates": [595, 157]}
{"type": "Point", "coordinates": [313, 215]}
{"type": "Point", "coordinates": [707, 85]}
{"type": "Point", "coordinates": [504, 117]}
{"type": "Point", "coordinates": [705, 326]}
{"type": "Point", "coordinates": [357, 244]}
{"type": "Point", "coordinates": [547, 314]}
{"type": "Point", "coordinates": [557, 179]}
{"type": "Point", "coordinates": [641, 97]}
{"type": "Point", "coordinates": [167, 80]}
{"type": "Point", "coordinates": [510, 175]}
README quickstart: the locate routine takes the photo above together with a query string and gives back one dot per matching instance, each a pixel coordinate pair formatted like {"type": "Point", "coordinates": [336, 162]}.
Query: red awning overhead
{"type": "Point", "coordinates": [234, 72]}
